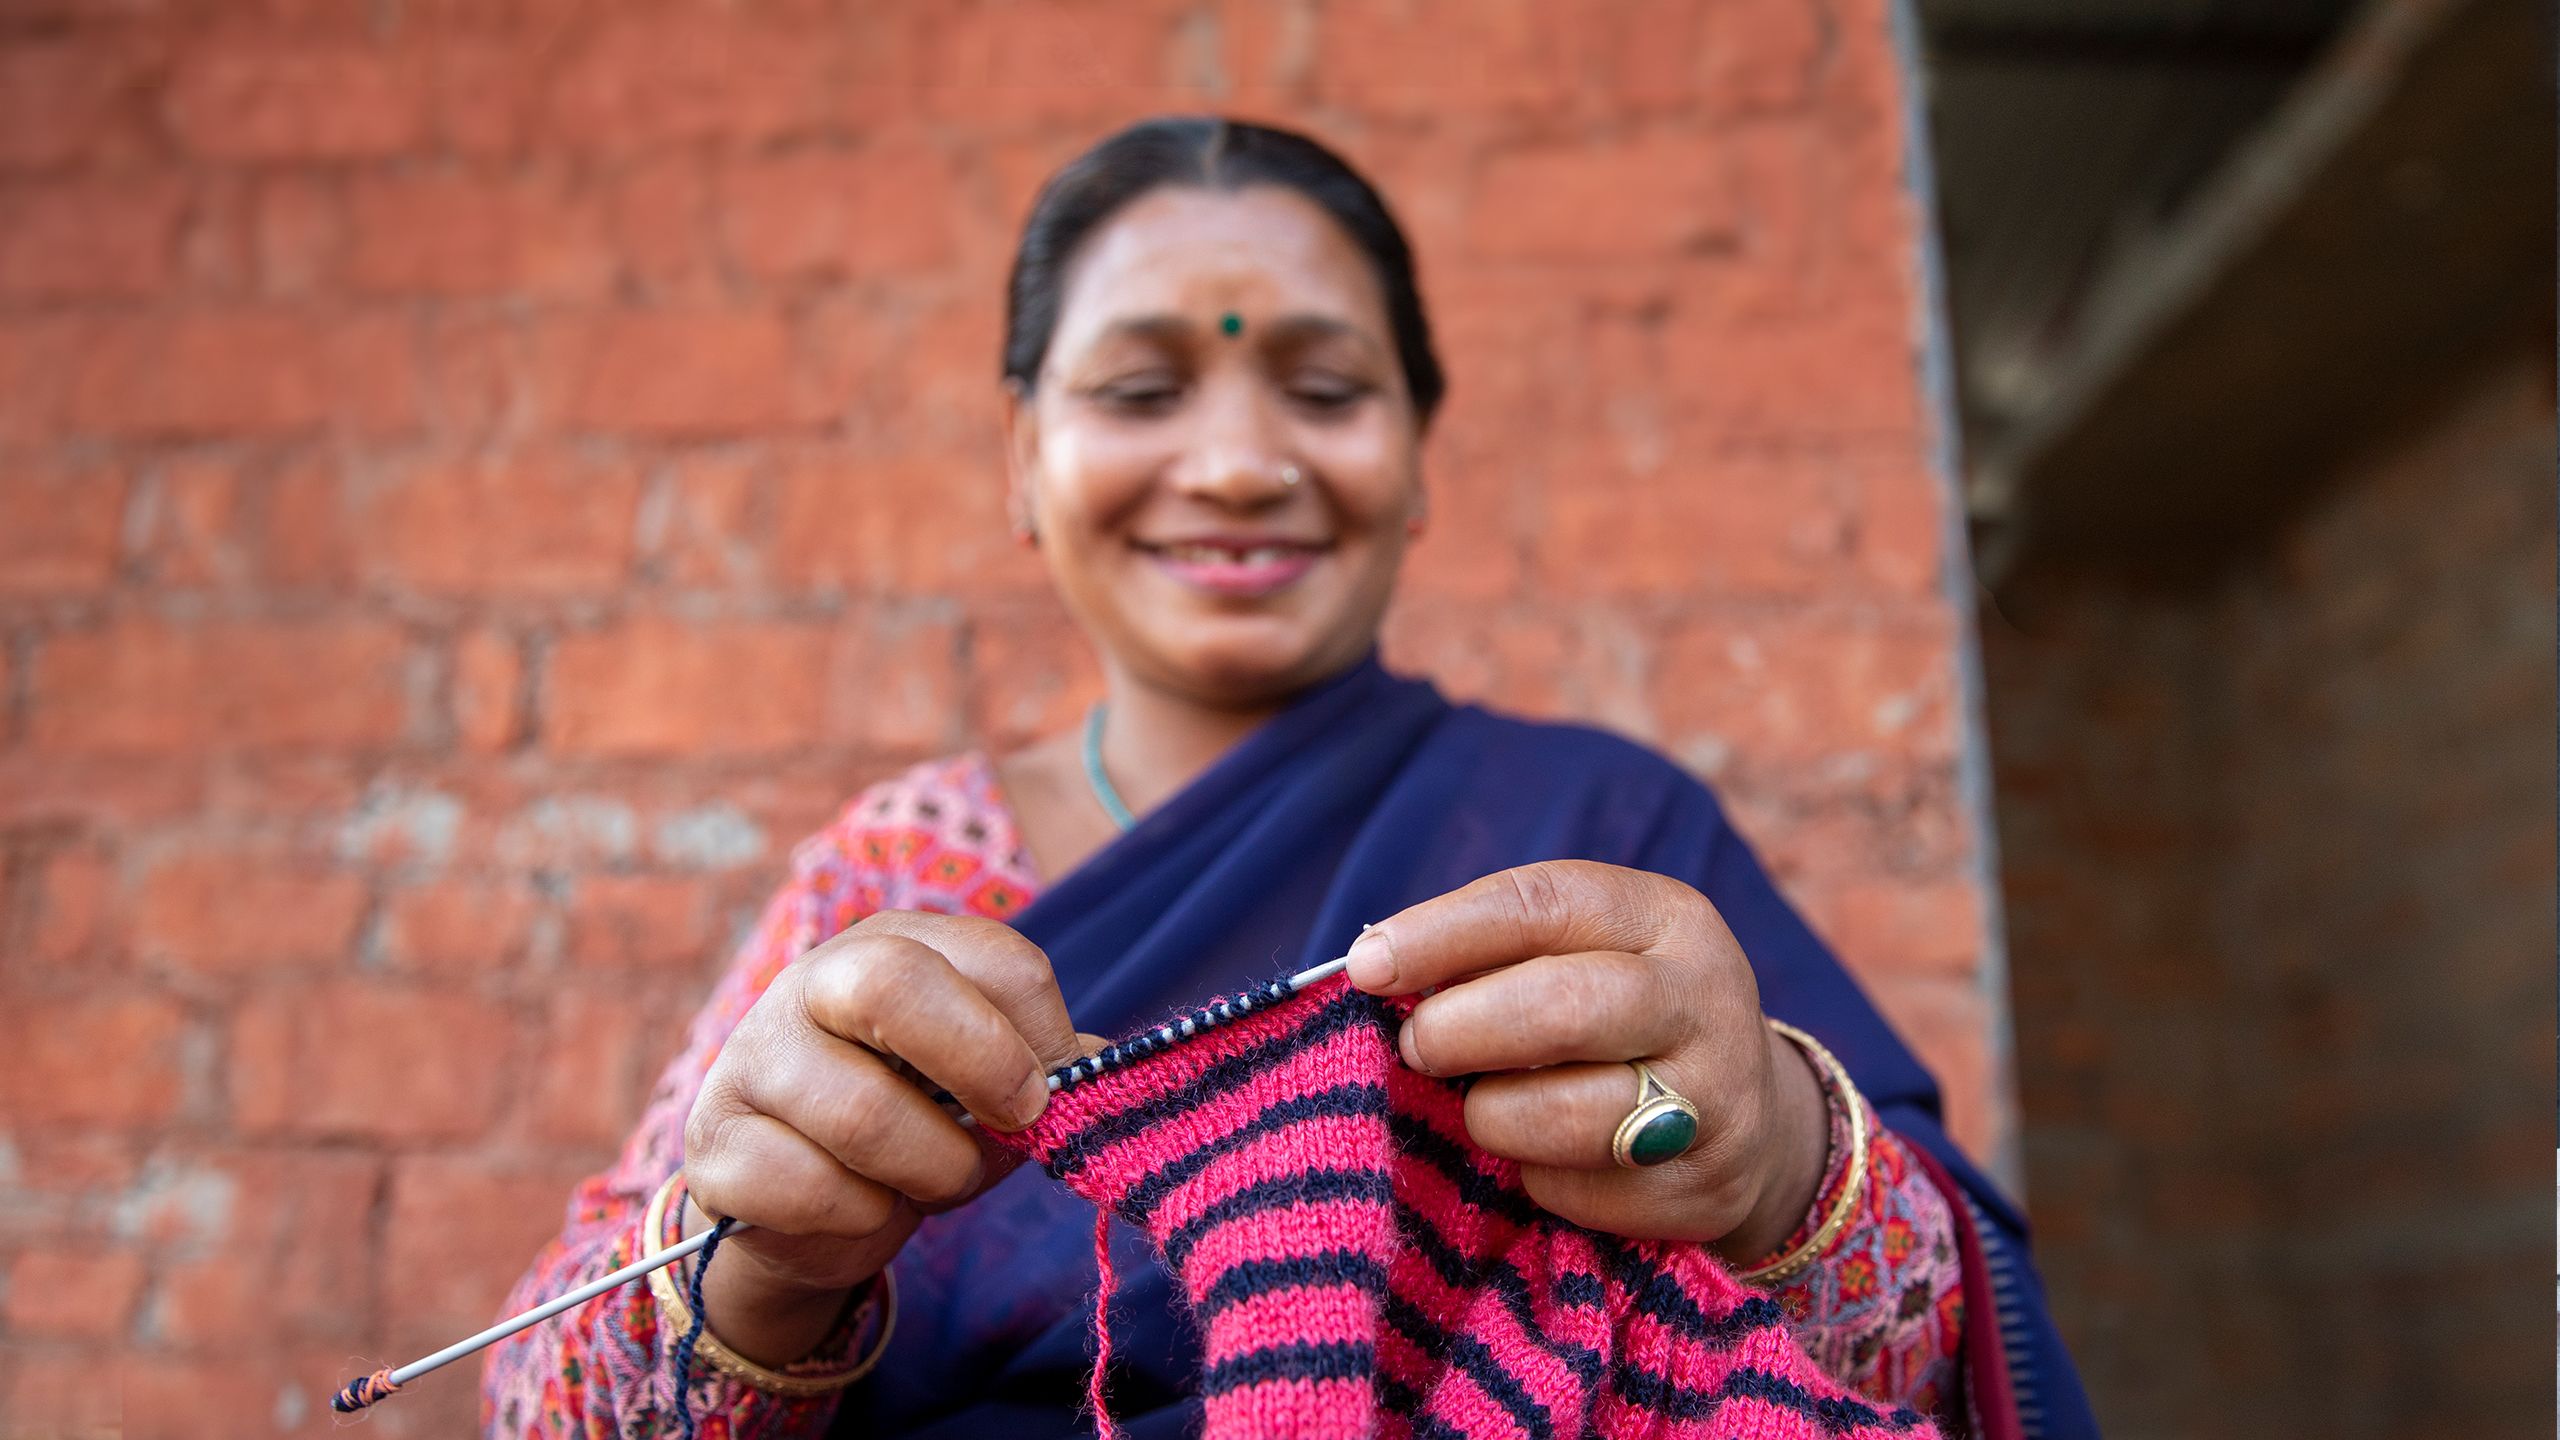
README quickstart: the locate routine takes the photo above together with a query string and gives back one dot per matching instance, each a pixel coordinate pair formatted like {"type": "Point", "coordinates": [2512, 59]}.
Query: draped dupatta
{"type": "Point", "coordinates": [1366, 795]}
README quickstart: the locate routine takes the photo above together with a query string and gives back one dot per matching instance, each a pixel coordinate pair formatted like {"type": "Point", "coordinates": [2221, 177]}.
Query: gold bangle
{"type": "Point", "coordinates": [675, 1310]}
{"type": "Point", "coordinates": [1836, 1085]}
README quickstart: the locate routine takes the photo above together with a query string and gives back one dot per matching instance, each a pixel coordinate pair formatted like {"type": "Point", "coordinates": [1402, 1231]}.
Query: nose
{"type": "Point", "coordinates": [1234, 457]}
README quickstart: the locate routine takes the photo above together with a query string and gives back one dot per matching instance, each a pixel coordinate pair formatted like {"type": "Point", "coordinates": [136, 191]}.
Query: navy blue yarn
{"type": "Point", "coordinates": [693, 1332]}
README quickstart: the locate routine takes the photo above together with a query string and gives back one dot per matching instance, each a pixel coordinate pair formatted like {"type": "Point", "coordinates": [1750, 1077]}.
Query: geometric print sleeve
{"type": "Point", "coordinates": [926, 840]}
{"type": "Point", "coordinates": [1882, 1308]}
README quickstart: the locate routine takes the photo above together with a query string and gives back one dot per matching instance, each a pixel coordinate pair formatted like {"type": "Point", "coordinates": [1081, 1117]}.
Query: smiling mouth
{"type": "Point", "coordinates": [1236, 568]}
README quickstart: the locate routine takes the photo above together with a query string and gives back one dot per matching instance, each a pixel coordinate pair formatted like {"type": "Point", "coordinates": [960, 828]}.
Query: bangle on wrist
{"type": "Point", "coordinates": [878, 1296]}
{"type": "Point", "coordinates": [1836, 1091]}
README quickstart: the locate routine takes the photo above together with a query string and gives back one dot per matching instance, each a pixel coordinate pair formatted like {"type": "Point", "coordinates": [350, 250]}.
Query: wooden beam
{"type": "Point", "coordinates": [2393, 220]}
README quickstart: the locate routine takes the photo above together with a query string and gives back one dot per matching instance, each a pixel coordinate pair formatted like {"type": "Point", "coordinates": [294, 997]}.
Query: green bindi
{"type": "Point", "coordinates": [1231, 323]}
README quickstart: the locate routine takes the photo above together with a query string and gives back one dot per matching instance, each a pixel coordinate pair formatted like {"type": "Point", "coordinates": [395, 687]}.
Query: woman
{"type": "Point", "coordinates": [1218, 379]}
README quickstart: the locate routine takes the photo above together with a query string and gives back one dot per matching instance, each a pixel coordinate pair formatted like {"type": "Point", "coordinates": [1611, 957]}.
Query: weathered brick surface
{"type": "Point", "coordinates": [479, 480]}
{"type": "Point", "coordinates": [2277, 860]}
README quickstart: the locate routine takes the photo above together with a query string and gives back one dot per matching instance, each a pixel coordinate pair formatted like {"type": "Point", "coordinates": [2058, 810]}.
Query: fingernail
{"type": "Point", "coordinates": [1404, 1047]}
{"type": "Point", "coordinates": [1373, 960]}
{"type": "Point", "coordinates": [1030, 1100]}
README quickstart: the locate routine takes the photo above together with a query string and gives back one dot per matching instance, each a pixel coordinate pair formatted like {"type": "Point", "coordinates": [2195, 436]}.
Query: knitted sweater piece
{"type": "Point", "coordinates": [1358, 1267]}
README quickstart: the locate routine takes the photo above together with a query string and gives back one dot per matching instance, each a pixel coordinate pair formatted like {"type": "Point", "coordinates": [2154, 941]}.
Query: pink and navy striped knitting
{"type": "Point", "coordinates": [1359, 1268]}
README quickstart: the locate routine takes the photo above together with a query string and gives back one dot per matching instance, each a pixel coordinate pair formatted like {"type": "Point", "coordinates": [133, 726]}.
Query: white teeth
{"type": "Point", "coordinates": [1219, 554]}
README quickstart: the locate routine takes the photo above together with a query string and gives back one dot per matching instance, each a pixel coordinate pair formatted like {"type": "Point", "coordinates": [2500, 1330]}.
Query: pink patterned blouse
{"type": "Point", "coordinates": [1881, 1310]}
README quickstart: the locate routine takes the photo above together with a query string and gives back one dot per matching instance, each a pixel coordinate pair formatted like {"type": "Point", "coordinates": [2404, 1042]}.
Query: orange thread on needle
{"type": "Point", "coordinates": [364, 1390]}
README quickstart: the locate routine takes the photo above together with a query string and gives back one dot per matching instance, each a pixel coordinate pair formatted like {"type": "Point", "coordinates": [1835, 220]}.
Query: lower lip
{"type": "Point", "coordinates": [1238, 577]}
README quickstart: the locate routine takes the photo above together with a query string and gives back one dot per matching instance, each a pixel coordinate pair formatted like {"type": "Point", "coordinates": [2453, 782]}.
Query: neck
{"type": "Point", "coordinates": [1154, 742]}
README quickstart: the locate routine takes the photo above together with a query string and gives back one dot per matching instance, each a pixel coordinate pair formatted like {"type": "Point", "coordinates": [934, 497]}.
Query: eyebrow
{"type": "Point", "coordinates": [1298, 328]}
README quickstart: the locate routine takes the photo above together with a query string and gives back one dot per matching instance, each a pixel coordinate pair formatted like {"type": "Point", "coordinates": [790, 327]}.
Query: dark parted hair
{"type": "Point", "coordinates": [1211, 153]}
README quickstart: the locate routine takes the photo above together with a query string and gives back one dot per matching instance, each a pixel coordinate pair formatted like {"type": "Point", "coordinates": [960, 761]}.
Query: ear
{"type": "Point", "coordinates": [1020, 420]}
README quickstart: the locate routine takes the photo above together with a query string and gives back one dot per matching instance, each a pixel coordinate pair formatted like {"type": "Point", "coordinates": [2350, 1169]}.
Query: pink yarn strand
{"type": "Point", "coordinates": [1103, 1285]}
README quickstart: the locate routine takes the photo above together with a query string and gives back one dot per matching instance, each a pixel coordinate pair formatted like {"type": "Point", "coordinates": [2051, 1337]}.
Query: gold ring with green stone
{"type": "Point", "coordinates": [1662, 1126]}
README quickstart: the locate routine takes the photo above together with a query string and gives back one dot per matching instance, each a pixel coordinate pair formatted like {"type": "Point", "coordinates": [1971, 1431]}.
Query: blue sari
{"type": "Point", "coordinates": [1366, 795]}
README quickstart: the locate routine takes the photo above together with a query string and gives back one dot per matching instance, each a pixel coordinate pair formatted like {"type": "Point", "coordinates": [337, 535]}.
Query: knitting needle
{"type": "Point", "coordinates": [1296, 983]}
{"type": "Point", "coordinates": [364, 1391]}
{"type": "Point", "coordinates": [360, 1393]}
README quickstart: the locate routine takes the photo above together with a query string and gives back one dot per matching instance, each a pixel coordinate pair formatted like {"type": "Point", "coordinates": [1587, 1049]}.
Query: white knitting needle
{"type": "Point", "coordinates": [642, 1266]}
{"type": "Point", "coordinates": [1296, 983]}
{"type": "Point", "coordinates": [540, 1313]}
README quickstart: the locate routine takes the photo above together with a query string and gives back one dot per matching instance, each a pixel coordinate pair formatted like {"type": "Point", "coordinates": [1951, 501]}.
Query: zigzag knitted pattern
{"type": "Point", "coordinates": [1358, 1267]}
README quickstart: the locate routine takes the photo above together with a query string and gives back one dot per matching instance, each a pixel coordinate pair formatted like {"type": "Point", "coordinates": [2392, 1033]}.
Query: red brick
{"type": "Point", "coordinates": [1676, 524]}
{"type": "Point", "coordinates": [1397, 61]}
{"type": "Point", "coordinates": [283, 1393]}
{"type": "Point", "coordinates": [461, 1230]}
{"type": "Point", "coordinates": [1471, 541]}
{"type": "Point", "coordinates": [896, 681]}
{"type": "Point", "coordinates": [252, 101]}
{"type": "Point", "coordinates": [479, 374]}
{"type": "Point", "coordinates": [1051, 62]}
{"type": "Point", "coordinates": [300, 235]}
{"type": "Point", "coordinates": [85, 1296]}
{"type": "Point", "coordinates": [273, 1244]}
{"type": "Point", "coordinates": [65, 1390]}
{"type": "Point", "coordinates": [659, 687]}
{"type": "Point", "coordinates": [54, 1076]}
{"type": "Point", "coordinates": [225, 372]}
{"type": "Point", "coordinates": [306, 539]}
{"type": "Point", "coordinates": [711, 526]}
{"type": "Point", "coordinates": [33, 395]}
{"type": "Point", "coordinates": [1900, 530]}
{"type": "Point", "coordinates": [1031, 673]}
{"type": "Point", "coordinates": [905, 525]}
{"type": "Point", "coordinates": [661, 217]}
{"type": "Point", "coordinates": [75, 911]}
{"type": "Point", "coordinates": [641, 922]}
{"type": "Point", "coordinates": [59, 529]}
{"type": "Point", "coordinates": [247, 684]}
{"type": "Point", "coordinates": [1651, 196]}
{"type": "Point", "coordinates": [470, 234]}
{"type": "Point", "coordinates": [1757, 55]}
{"type": "Point", "coordinates": [194, 530]}
{"type": "Point", "coordinates": [1947, 1023]}
{"type": "Point", "coordinates": [649, 81]}
{"type": "Point", "coordinates": [460, 925]}
{"type": "Point", "coordinates": [98, 793]}
{"type": "Point", "coordinates": [672, 372]}
{"type": "Point", "coordinates": [89, 238]}
{"type": "Point", "coordinates": [233, 913]}
{"type": "Point", "coordinates": [598, 1054]}
{"type": "Point", "coordinates": [368, 1061]}
{"type": "Point", "coordinates": [830, 213]}
{"type": "Point", "coordinates": [488, 690]}
{"type": "Point", "coordinates": [544, 524]}
{"type": "Point", "coordinates": [1847, 697]}
{"type": "Point", "coordinates": [72, 99]}
{"type": "Point", "coordinates": [1922, 929]}
{"type": "Point", "coordinates": [482, 93]}
{"type": "Point", "coordinates": [1837, 378]}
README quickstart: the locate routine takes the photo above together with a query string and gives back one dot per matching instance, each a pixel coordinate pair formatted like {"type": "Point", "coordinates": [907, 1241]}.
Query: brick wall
{"type": "Point", "coordinates": [478, 480]}
{"type": "Point", "coordinates": [2278, 863]}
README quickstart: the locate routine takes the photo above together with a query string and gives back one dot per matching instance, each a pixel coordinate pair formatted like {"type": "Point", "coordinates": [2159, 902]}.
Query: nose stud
{"type": "Point", "coordinates": [1291, 474]}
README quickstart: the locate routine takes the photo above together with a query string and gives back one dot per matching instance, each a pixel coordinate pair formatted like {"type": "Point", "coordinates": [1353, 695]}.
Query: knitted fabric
{"type": "Point", "coordinates": [1358, 1267]}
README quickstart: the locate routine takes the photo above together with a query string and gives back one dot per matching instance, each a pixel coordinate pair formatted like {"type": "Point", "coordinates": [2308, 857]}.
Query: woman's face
{"type": "Point", "coordinates": [1220, 459]}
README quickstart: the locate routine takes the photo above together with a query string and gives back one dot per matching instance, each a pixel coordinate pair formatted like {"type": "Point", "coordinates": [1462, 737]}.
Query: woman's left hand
{"type": "Point", "coordinates": [1549, 979]}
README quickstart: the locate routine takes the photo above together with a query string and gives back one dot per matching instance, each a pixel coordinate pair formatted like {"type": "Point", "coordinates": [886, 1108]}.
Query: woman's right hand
{"type": "Point", "coordinates": [807, 1129]}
